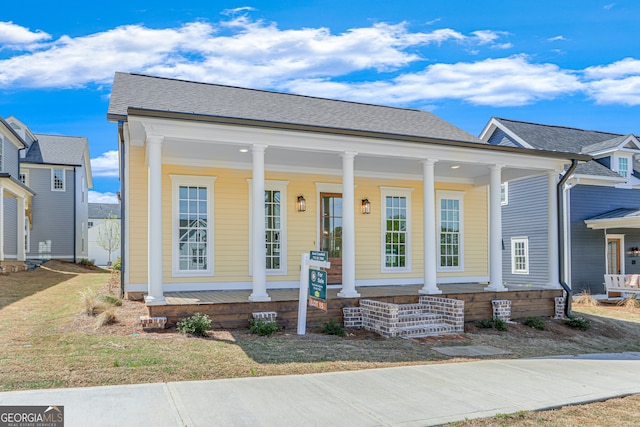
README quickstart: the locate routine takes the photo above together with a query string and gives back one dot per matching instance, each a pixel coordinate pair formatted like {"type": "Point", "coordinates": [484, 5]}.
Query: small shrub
{"type": "Point", "coordinates": [500, 325]}
{"type": "Point", "coordinates": [107, 317]}
{"type": "Point", "coordinates": [333, 328]}
{"type": "Point", "coordinates": [579, 323]}
{"type": "Point", "coordinates": [535, 322]}
{"type": "Point", "coordinates": [630, 302]}
{"type": "Point", "coordinates": [117, 264]}
{"type": "Point", "coordinates": [87, 262]}
{"type": "Point", "coordinates": [111, 299]}
{"type": "Point", "coordinates": [585, 298]}
{"type": "Point", "coordinates": [485, 324]}
{"type": "Point", "coordinates": [196, 325]}
{"type": "Point", "coordinates": [263, 327]}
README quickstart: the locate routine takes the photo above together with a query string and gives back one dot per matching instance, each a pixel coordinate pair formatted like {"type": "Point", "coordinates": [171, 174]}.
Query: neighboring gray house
{"type": "Point", "coordinates": [602, 199]}
{"type": "Point", "coordinates": [98, 213]}
{"type": "Point", "coordinates": [57, 170]}
{"type": "Point", "coordinates": [15, 199]}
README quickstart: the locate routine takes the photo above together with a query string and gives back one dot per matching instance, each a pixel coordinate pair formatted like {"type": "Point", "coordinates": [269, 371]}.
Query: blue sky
{"type": "Point", "coordinates": [571, 63]}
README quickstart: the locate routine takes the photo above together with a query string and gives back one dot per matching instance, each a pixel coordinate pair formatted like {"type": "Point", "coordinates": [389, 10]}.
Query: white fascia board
{"type": "Point", "coordinates": [295, 140]}
{"type": "Point", "coordinates": [495, 124]}
{"type": "Point", "coordinates": [596, 180]}
{"type": "Point", "coordinates": [602, 224]}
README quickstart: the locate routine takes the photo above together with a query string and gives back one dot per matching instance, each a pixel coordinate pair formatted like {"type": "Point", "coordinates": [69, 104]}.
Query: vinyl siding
{"type": "Point", "coordinates": [10, 220]}
{"type": "Point", "coordinates": [53, 215]}
{"type": "Point", "coordinates": [231, 224]}
{"type": "Point", "coordinates": [526, 216]}
{"type": "Point", "coordinates": [588, 263]}
{"type": "Point", "coordinates": [10, 158]}
{"type": "Point", "coordinates": [499, 137]}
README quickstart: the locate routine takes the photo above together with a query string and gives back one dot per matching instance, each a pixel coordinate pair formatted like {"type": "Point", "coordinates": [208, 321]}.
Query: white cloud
{"type": "Point", "coordinates": [556, 38]}
{"type": "Point", "coordinates": [12, 35]}
{"type": "Point", "coordinates": [97, 197]}
{"type": "Point", "coordinates": [499, 82]}
{"type": "Point", "coordinates": [609, 6]}
{"type": "Point", "coordinates": [623, 68]}
{"type": "Point", "coordinates": [106, 165]}
{"type": "Point", "coordinates": [617, 83]}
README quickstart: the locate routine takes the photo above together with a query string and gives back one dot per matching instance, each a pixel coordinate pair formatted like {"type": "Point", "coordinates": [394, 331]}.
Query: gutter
{"type": "Point", "coordinates": [561, 243]}
{"type": "Point", "coordinates": [122, 203]}
{"type": "Point", "coordinates": [75, 223]}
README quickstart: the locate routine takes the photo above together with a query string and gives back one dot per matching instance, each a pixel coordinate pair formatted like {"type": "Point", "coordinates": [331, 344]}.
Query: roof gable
{"type": "Point", "coordinates": [57, 150]}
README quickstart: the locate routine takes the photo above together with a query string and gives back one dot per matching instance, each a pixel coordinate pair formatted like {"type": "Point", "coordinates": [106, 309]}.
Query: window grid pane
{"type": "Point", "coordinates": [623, 166]}
{"type": "Point", "coordinates": [520, 256]}
{"type": "Point", "coordinates": [396, 232]}
{"type": "Point", "coordinates": [449, 233]}
{"type": "Point", "coordinates": [58, 179]}
{"type": "Point", "coordinates": [193, 226]}
{"type": "Point", "coordinates": [272, 228]}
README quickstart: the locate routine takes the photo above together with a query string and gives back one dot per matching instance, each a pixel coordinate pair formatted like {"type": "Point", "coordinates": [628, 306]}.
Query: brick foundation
{"type": "Point", "coordinates": [149, 322]}
{"type": "Point", "coordinates": [501, 309]}
{"type": "Point", "coordinates": [352, 317]}
{"type": "Point", "coordinates": [560, 303]}
{"type": "Point", "coordinates": [269, 316]}
{"type": "Point", "coordinates": [451, 310]}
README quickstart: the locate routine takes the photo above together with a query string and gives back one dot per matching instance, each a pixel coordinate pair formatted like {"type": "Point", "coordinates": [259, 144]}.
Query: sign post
{"type": "Point", "coordinates": [316, 259]}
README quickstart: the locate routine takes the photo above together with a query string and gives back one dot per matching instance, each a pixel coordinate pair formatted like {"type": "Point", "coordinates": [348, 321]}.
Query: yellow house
{"type": "Point", "coordinates": [224, 188]}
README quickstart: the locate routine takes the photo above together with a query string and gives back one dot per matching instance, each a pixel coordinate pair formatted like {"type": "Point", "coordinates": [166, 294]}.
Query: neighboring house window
{"type": "Point", "coordinates": [504, 193]}
{"type": "Point", "coordinates": [520, 255]}
{"type": "Point", "coordinates": [90, 224]}
{"type": "Point", "coordinates": [24, 178]}
{"type": "Point", "coordinates": [623, 166]}
{"type": "Point", "coordinates": [57, 180]}
{"type": "Point", "coordinates": [396, 229]}
{"type": "Point", "coordinates": [192, 247]}
{"type": "Point", "coordinates": [275, 220]}
{"type": "Point", "coordinates": [450, 227]}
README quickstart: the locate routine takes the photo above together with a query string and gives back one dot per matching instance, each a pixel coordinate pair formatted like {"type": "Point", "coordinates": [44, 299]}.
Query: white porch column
{"type": "Point", "coordinates": [348, 228]}
{"type": "Point", "coordinates": [21, 233]}
{"type": "Point", "coordinates": [553, 259]}
{"type": "Point", "coordinates": [1, 222]}
{"type": "Point", "coordinates": [429, 218]}
{"type": "Point", "coordinates": [259, 250]}
{"type": "Point", "coordinates": [495, 232]}
{"type": "Point", "coordinates": [155, 294]}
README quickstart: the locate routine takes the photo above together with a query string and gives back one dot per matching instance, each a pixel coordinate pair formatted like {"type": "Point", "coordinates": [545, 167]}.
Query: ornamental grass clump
{"type": "Point", "coordinates": [585, 298]}
{"type": "Point", "coordinates": [196, 325]}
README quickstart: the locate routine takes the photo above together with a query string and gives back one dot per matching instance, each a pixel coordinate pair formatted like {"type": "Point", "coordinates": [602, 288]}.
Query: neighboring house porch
{"type": "Point", "coordinates": [15, 208]}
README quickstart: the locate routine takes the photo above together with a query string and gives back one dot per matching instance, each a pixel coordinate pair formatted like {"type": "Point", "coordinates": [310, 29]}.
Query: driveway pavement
{"type": "Point", "coordinates": [408, 396]}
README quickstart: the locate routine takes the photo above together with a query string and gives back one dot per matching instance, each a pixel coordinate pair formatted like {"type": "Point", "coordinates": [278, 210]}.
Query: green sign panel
{"type": "Point", "coordinates": [318, 256]}
{"type": "Point", "coordinates": [318, 289]}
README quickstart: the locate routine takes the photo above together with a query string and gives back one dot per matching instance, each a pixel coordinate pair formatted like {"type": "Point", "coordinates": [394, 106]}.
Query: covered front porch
{"type": "Point", "coordinates": [231, 309]}
{"type": "Point", "coordinates": [15, 211]}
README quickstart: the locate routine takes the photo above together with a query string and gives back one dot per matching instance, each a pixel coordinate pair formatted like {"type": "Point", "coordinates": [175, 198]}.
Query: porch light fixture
{"type": "Point", "coordinates": [634, 252]}
{"type": "Point", "coordinates": [366, 206]}
{"type": "Point", "coordinates": [301, 204]}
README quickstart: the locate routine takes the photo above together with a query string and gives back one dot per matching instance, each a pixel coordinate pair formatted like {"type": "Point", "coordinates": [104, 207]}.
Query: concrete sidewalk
{"type": "Point", "coordinates": [407, 396]}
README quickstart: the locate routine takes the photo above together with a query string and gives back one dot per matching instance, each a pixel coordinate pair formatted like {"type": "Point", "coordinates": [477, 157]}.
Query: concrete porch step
{"type": "Point", "coordinates": [425, 330]}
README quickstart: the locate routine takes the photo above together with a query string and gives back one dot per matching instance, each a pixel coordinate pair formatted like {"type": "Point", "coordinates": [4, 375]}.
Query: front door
{"type": "Point", "coordinates": [613, 255]}
{"type": "Point", "coordinates": [331, 234]}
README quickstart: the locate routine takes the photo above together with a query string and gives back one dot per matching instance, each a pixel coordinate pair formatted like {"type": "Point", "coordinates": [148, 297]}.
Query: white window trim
{"type": "Point", "coordinates": [505, 201]}
{"type": "Point", "coordinates": [272, 185]}
{"type": "Point", "coordinates": [514, 240]}
{"type": "Point", "coordinates": [64, 179]}
{"type": "Point", "coordinates": [455, 195]}
{"type": "Point", "coordinates": [201, 181]}
{"type": "Point", "coordinates": [395, 192]}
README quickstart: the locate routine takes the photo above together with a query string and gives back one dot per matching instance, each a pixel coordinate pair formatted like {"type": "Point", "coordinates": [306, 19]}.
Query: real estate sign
{"type": "Point", "coordinates": [318, 289]}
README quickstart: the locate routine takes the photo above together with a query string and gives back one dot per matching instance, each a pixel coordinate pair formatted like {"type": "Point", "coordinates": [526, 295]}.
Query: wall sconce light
{"type": "Point", "coordinates": [301, 204]}
{"type": "Point", "coordinates": [634, 252]}
{"type": "Point", "coordinates": [366, 206]}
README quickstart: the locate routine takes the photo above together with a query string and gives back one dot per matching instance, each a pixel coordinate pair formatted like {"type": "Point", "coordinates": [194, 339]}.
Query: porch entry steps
{"type": "Point", "coordinates": [430, 316]}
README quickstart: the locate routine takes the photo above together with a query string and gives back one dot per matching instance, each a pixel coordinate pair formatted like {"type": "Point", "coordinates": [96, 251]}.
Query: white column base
{"type": "Point", "coordinates": [496, 288]}
{"type": "Point", "coordinates": [254, 297]}
{"type": "Point", "coordinates": [348, 293]}
{"type": "Point", "coordinates": [430, 291]}
{"type": "Point", "coordinates": [158, 300]}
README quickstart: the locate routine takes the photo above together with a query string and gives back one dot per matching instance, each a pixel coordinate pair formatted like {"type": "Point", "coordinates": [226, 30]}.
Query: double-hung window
{"type": "Point", "coordinates": [396, 229]}
{"type": "Point", "coordinates": [520, 255]}
{"type": "Point", "coordinates": [57, 180]}
{"type": "Point", "coordinates": [275, 219]}
{"type": "Point", "coordinates": [504, 193]}
{"type": "Point", "coordinates": [450, 230]}
{"type": "Point", "coordinates": [623, 167]}
{"type": "Point", "coordinates": [192, 246]}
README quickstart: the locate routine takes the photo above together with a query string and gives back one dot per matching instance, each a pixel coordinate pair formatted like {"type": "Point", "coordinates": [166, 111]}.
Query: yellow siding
{"type": "Point", "coordinates": [231, 224]}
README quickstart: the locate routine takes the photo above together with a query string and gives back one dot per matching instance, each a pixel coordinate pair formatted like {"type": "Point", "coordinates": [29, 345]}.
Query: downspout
{"type": "Point", "coordinates": [561, 232]}
{"type": "Point", "coordinates": [122, 199]}
{"type": "Point", "coordinates": [75, 225]}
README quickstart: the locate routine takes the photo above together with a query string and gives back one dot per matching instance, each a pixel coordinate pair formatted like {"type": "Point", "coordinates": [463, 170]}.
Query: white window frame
{"type": "Point", "coordinates": [504, 194]}
{"type": "Point", "coordinates": [191, 180]}
{"type": "Point", "coordinates": [514, 242]}
{"type": "Point", "coordinates": [24, 173]}
{"type": "Point", "coordinates": [450, 195]}
{"type": "Point", "coordinates": [64, 181]}
{"type": "Point", "coordinates": [395, 192]}
{"type": "Point", "coordinates": [272, 185]}
{"type": "Point", "coordinates": [623, 172]}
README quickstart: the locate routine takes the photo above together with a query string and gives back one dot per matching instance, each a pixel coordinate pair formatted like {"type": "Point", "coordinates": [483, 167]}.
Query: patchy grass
{"type": "Point", "coordinates": [48, 342]}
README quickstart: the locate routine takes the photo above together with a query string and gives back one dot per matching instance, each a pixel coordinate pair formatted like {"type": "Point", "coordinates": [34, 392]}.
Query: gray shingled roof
{"type": "Point", "coordinates": [179, 96]}
{"type": "Point", "coordinates": [104, 210]}
{"type": "Point", "coordinates": [57, 150]}
{"type": "Point", "coordinates": [559, 138]}
{"type": "Point", "coordinates": [594, 168]}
